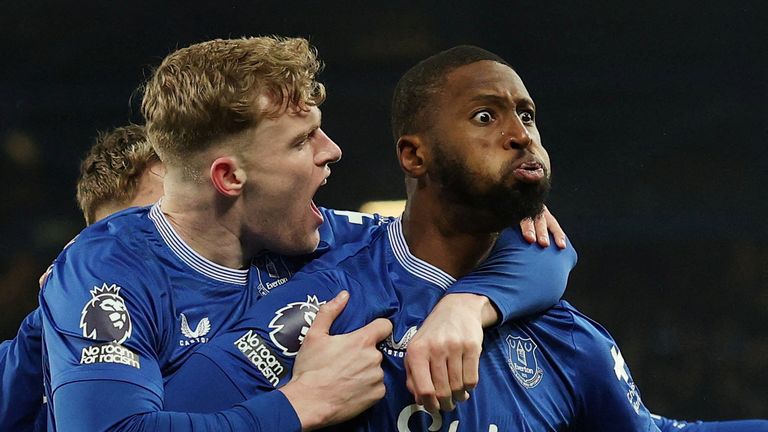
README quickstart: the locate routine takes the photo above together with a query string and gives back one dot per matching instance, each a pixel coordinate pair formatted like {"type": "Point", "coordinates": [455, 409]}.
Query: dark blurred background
{"type": "Point", "coordinates": [654, 114]}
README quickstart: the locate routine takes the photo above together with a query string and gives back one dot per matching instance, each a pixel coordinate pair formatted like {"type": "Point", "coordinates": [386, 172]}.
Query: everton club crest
{"type": "Point", "coordinates": [522, 359]}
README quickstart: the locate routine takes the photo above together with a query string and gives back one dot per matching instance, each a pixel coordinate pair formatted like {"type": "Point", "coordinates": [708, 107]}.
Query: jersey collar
{"type": "Point", "coordinates": [193, 259]}
{"type": "Point", "coordinates": [415, 266]}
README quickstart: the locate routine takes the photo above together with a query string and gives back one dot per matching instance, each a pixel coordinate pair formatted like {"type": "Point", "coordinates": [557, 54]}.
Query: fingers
{"type": "Point", "coordinates": [329, 312]}
{"type": "Point", "coordinates": [542, 235]}
{"type": "Point", "coordinates": [554, 228]}
{"type": "Point", "coordinates": [470, 371]}
{"type": "Point", "coordinates": [443, 393]}
{"type": "Point", "coordinates": [438, 384]}
{"type": "Point", "coordinates": [456, 379]}
{"type": "Point", "coordinates": [375, 331]}
{"type": "Point", "coordinates": [529, 232]}
{"type": "Point", "coordinates": [419, 381]}
{"type": "Point", "coordinates": [539, 229]}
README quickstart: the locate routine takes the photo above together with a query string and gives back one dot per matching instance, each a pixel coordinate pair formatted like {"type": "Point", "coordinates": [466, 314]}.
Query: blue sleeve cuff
{"type": "Point", "coordinates": [273, 412]}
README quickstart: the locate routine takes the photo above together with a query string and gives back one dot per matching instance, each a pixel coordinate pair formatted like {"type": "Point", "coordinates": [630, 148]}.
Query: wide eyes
{"type": "Point", "coordinates": [483, 117]}
{"type": "Point", "coordinates": [526, 117]}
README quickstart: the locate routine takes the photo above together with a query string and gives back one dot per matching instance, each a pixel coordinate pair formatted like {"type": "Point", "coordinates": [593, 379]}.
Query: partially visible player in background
{"type": "Point", "coordinates": [120, 170]}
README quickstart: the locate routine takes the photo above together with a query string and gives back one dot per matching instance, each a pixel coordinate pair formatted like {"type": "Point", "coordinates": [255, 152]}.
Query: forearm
{"type": "Point", "coordinates": [123, 407]}
{"type": "Point", "coordinates": [518, 278]}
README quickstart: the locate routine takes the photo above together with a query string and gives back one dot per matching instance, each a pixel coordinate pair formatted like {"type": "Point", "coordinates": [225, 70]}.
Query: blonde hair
{"type": "Point", "coordinates": [209, 90]}
{"type": "Point", "coordinates": [111, 169]}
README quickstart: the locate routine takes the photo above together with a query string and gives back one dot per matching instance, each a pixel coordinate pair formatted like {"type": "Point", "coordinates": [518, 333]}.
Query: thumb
{"type": "Point", "coordinates": [329, 312]}
{"type": "Point", "coordinates": [375, 331]}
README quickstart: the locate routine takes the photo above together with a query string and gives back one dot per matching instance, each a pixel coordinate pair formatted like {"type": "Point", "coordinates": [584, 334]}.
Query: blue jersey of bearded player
{"type": "Point", "coordinates": [555, 371]}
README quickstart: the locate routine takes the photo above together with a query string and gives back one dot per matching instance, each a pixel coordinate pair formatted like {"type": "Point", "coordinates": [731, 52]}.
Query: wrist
{"type": "Point", "coordinates": [311, 410]}
{"type": "Point", "coordinates": [478, 305]}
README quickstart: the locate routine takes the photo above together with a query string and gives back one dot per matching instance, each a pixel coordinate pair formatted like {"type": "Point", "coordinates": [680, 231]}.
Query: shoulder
{"type": "Point", "coordinates": [341, 227]}
{"type": "Point", "coordinates": [512, 246]}
{"type": "Point", "coordinates": [587, 336]}
{"type": "Point", "coordinates": [351, 258]}
{"type": "Point", "coordinates": [111, 258]}
{"type": "Point", "coordinates": [124, 233]}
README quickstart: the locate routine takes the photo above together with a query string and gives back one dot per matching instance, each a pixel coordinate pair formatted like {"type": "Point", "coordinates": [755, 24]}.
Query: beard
{"type": "Point", "coordinates": [496, 206]}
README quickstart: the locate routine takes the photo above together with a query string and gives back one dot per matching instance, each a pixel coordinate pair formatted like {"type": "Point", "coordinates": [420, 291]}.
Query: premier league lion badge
{"type": "Point", "coordinates": [291, 324]}
{"type": "Point", "coordinates": [105, 317]}
{"type": "Point", "coordinates": [522, 359]}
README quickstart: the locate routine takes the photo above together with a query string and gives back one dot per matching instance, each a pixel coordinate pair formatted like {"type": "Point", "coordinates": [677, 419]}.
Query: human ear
{"type": "Point", "coordinates": [410, 154]}
{"type": "Point", "coordinates": [227, 176]}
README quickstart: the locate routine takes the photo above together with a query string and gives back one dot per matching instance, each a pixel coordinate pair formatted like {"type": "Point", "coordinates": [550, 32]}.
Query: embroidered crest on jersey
{"type": "Point", "coordinates": [522, 358]}
{"type": "Point", "coordinates": [261, 357]}
{"type": "Point", "coordinates": [270, 273]}
{"type": "Point", "coordinates": [291, 324]}
{"type": "Point", "coordinates": [198, 334]}
{"type": "Point", "coordinates": [397, 348]}
{"type": "Point", "coordinates": [105, 316]}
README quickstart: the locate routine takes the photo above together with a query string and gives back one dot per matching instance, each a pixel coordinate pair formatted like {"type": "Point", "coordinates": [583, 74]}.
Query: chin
{"type": "Point", "coordinates": [302, 245]}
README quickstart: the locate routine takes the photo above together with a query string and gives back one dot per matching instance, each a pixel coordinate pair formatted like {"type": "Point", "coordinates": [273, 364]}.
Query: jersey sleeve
{"type": "Point", "coordinates": [21, 375]}
{"type": "Point", "coordinates": [520, 278]}
{"type": "Point", "coordinates": [97, 406]}
{"type": "Point", "coordinates": [102, 323]}
{"type": "Point", "coordinates": [607, 396]}
{"type": "Point", "coordinates": [342, 227]}
{"type": "Point", "coordinates": [668, 425]}
{"type": "Point", "coordinates": [101, 315]}
{"type": "Point", "coordinates": [257, 356]}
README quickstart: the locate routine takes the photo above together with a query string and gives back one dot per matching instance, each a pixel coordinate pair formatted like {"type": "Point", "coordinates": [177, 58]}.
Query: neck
{"type": "Point", "coordinates": [211, 231]}
{"type": "Point", "coordinates": [438, 236]}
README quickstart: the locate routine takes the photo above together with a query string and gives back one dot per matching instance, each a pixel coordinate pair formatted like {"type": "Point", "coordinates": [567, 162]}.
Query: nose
{"type": "Point", "coordinates": [327, 151]}
{"type": "Point", "coordinates": [517, 135]}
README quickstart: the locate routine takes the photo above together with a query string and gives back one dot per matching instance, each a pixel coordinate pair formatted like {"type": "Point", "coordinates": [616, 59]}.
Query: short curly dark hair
{"type": "Point", "coordinates": [415, 90]}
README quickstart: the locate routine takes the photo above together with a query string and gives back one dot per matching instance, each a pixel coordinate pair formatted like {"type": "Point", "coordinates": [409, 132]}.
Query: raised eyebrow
{"type": "Point", "coordinates": [490, 99]}
{"type": "Point", "coordinates": [502, 101]}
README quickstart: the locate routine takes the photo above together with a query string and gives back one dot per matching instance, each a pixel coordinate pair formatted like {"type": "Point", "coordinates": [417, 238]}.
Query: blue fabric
{"type": "Point", "coordinates": [549, 372]}
{"type": "Point", "coordinates": [669, 425]}
{"type": "Point", "coordinates": [21, 379]}
{"type": "Point", "coordinates": [96, 406]}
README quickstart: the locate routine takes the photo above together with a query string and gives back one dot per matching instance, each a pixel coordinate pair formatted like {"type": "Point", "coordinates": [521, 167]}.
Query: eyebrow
{"type": "Point", "coordinates": [502, 101]}
{"type": "Point", "coordinates": [304, 135]}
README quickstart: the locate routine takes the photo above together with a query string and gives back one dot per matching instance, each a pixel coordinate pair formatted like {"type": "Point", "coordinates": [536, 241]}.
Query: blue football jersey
{"type": "Point", "coordinates": [555, 371]}
{"type": "Point", "coordinates": [669, 425]}
{"type": "Point", "coordinates": [144, 300]}
{"type": "Point", "coordinates": [127, 302]}
{"type": "Point", "coordinates": [21, 378]}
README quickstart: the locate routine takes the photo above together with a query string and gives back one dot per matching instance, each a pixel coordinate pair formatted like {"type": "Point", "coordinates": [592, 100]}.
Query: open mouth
{"type": "Point", "coordinates": [530, 172]}
{"type": "Point", "coordinates": [312, 204]}
{"type": "Point", "coordinates": [316, 210]}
